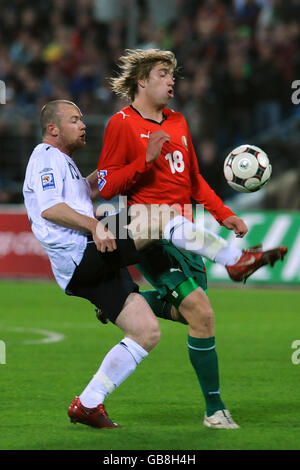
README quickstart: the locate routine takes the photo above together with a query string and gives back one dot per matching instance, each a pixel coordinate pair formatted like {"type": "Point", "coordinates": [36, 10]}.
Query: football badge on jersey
{"type": "Point", "coordinates": [48, 181]}
{"type": "Point", "coordinates": [101, 178]}
{"type": "Point", "coordinates": [184, 141]}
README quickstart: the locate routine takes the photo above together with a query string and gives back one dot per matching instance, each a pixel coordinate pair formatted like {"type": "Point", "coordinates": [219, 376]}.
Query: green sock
{"type": "Point", "coordinates": [160, 307]}
{"type": "Point", "coordinates": [204, 359]}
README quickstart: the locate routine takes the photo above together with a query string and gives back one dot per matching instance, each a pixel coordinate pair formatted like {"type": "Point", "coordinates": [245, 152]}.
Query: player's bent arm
{"type": "Point", "coordinates": [205, 195]}
{"type": "Point", "coordinates": [116, 180]}
{"type": "Point", "coordinates": [115, 174]}
{"type": "Point", "coordinates": [62, 214]}
{"type": "Point", "coordinates": [201, 192]}
{"type": "Point", "coordinates": [119, 166]}
{"type": "Point", "coordinates": [216, 207]}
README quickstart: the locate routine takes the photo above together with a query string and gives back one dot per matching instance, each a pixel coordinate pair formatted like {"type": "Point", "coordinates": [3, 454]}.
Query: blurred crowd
{"type": "Point", "coordinates": [237, 58]}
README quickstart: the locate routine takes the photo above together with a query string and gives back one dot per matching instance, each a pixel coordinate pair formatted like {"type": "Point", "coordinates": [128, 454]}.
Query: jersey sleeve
{"type": "Point", "coordinates": [203, 193]}
{"type": "Point", "coordinates": [48, 177]}
{"type": "Point", "coordinates": [120, 163]}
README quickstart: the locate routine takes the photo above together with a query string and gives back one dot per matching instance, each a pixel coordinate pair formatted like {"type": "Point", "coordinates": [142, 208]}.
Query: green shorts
{"type": "Point", "coordinates": [166, 267]}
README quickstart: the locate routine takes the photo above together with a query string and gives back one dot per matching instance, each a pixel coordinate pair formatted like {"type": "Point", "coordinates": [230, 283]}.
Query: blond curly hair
{"type": "Point", "coordinates": [136, 65]}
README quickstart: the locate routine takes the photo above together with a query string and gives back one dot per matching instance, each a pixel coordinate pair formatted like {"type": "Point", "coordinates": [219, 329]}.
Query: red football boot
{"type": "Point", "coordinates": [95, 417]}
{"type": "Point", "coordinates": [252, 259]}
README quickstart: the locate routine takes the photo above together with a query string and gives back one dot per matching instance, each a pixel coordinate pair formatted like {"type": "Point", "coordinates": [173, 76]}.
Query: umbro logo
{"type": "Point", "coordinates": [46, 170]}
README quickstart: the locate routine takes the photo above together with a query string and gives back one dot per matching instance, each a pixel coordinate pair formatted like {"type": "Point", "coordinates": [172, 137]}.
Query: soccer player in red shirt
{"type": "Point", "coordinates": [128, 166]}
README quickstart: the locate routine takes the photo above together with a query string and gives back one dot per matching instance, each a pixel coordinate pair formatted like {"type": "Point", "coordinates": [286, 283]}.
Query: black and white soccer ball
{"type": "Point", "coordinates": [247, 168]}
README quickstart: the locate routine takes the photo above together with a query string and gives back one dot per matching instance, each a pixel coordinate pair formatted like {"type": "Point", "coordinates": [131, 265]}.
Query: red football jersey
{"type": "Point", "coordinates": [173, 178]}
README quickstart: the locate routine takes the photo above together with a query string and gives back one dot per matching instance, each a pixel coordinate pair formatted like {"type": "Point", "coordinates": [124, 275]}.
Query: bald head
{"type": "Point", "coordinates": [51, 113]}
{"type": "Point", "coordinates": [62, 126]}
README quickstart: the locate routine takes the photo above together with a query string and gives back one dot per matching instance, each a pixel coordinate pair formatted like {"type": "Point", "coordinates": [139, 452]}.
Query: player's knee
{"type": "Point", "coordinates": [197, 310]}
{"type": "Point", "coordinates": [147, 326]}
{"type": "Point", "coordinates": [202, 317]}
{"type": "Point", "coordinates": [206, 317]}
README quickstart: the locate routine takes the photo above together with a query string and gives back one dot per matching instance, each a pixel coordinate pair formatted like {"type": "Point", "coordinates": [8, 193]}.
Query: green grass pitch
{"type": "Point", "coordinates": [160, 407]}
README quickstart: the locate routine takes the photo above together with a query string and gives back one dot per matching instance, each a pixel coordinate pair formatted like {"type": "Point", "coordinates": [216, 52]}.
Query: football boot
{"type": "Point", "coordinates": [252, 259]}
{"type": "Point", "coordinates": [95, 417]}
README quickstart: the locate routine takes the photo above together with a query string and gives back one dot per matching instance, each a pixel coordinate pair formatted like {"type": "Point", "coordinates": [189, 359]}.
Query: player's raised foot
{"type": "Point", "coordinates": [221, 419]}
{"type": "Point", "coordinates": [95, 417]}
{"type": "Point", "coordinates": [252, 259]}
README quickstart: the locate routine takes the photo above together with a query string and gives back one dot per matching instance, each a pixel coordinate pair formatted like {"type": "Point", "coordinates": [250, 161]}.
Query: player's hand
{"type": "Point", "coordinates": [237, 225]}
{"type": "Point", "coordinates": [156, 142]}
{"type": "Point", "coordinates": [104, 239]}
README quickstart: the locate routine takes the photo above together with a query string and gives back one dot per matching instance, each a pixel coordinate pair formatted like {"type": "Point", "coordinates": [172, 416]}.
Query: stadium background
{"type": "Point", "coordinates": [239, 62]}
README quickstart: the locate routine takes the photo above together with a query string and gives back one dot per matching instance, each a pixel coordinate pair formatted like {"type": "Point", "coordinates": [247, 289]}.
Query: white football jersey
{"type": "Point", "coordinates": [52, 177]}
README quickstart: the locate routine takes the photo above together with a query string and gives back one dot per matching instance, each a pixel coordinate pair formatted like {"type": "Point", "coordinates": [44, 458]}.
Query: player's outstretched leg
{"type": "Point", "coordinates": [240, 264]}
{"type": "Point", "coordinates": [184, 234]}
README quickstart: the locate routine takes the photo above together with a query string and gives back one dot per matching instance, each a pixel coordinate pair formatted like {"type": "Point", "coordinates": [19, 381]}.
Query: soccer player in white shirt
{"type": "Point", "coordinates": [59, 205]}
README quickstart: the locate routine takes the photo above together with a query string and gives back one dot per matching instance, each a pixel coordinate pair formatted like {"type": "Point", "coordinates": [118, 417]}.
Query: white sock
{"type": "Point", "coordinates": [189, 236]}
{"type": "Point", "coordinates": [118, 364]}
{"type": "Point", "coordinates": [228, 255]}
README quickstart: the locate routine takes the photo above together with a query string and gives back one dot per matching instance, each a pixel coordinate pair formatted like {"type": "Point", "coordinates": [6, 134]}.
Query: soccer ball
{"type": "Point", "coordinates": [247, 168]}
